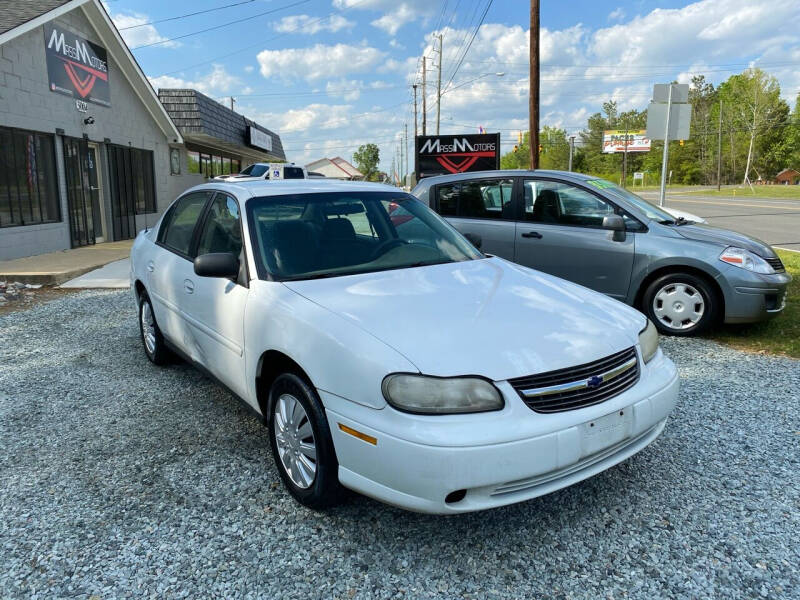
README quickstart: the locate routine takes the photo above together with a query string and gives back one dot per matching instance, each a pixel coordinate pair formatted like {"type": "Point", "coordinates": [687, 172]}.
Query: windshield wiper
{"type": "Point", "coordinates": [666, 222]}
{"type": "Point", "coordinates": [684, 221]}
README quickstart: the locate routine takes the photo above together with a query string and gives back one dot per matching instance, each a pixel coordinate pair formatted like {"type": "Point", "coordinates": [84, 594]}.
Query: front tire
{"type": "Point", "coordinates": [301, 443]}
{"type": "Point", "coordinates": [681, 304]}
{"type": "Point", "coordinates": [153, 341]}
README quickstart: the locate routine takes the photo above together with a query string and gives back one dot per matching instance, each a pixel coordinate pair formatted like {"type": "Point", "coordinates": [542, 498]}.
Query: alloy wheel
{"type": "Point", "coordinates": [148, 327]}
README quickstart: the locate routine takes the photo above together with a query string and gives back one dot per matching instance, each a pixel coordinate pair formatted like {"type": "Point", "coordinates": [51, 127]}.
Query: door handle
{"type": "Point", "coordinates": [188, 286]}
{"type": "Point", "coordinates": [532, 234]}
{"type": "Point", "coordinates": [151, 266]}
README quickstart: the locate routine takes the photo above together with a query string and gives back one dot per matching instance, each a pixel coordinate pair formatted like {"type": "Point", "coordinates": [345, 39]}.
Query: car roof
{"type": "Point", "coordinates": [258, 188]}
{"type": "Point", "coordinates": [427, 181]}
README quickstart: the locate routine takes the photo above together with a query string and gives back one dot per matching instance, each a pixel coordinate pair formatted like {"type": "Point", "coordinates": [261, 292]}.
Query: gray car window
{"type": "Point", "coordinates": [563, 204]}
{"type": "Point", "coordinates": [477, 198]}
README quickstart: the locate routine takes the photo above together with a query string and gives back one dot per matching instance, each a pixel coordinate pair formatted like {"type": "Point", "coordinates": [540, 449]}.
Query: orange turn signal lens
{"type": "Point", "coordinates": [362, 436]}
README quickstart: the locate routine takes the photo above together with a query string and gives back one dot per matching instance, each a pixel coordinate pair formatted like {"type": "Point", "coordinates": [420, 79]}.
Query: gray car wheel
{"type": "Point", "coordinates": [680, 304]}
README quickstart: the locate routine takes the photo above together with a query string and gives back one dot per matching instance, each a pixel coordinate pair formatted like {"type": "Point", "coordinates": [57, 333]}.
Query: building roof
{"type": "Point", "coordinates": [17, 18]}
{"type": "Point", "coordinates": [337, 168]}
{"type": "Point", "coordinates": [788, 173]}
{"type": "Point", "coordinates": [347, 167]}
{"type": "Point", "coordinates": [206, 122]}
{"type": "Point", "coordinates": [14, 13]}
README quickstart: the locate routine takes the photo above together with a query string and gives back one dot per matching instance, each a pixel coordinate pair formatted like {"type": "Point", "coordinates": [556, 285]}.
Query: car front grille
{"type": "Point", "coordinates": [776, 264]}
{"type": "Point", "coordinates": [579, 386]}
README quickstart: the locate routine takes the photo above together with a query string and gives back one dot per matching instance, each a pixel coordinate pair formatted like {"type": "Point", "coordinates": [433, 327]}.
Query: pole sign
{"type": "Point", "coordinates": [76, 67]}
{"type": "Point", "coordinates": [442, 154]}
{"type": "Point", "coordinates": [614, 141]}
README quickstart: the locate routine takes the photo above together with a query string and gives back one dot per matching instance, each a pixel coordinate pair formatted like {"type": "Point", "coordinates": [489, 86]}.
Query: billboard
{"type": "Point", "coordinates": [614, 141]}
{"type": "Point", "coordinates": [442, 154]}
{"type": "Point", "coordinates": [76, 67]}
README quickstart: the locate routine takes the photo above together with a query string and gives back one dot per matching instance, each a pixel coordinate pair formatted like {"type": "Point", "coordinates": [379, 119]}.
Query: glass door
{"type": "Point", "coordinates": [93, 174]}
{"type": "Point", "coordinates": [82, 216]}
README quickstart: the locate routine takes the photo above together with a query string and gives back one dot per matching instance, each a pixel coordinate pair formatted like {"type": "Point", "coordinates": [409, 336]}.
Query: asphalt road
{"type": "Point", "coordinates": [775, 221]}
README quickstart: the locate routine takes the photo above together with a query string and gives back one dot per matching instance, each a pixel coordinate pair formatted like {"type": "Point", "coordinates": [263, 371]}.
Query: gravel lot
{"type": "Point", "coordinates": [120, 479]}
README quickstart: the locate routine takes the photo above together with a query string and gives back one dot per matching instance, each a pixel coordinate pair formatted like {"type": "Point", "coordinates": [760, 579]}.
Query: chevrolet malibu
{"type": "Point", "coordinates": [385, 354]}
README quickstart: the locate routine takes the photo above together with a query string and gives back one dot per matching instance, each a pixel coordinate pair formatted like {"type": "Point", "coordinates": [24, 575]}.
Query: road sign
{"type": "Point", "coordinates": [680, 93]}
{"type": "Point", "coordinates": [679, 120]}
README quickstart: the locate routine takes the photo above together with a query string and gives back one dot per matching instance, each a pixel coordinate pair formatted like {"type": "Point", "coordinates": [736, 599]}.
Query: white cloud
{"type": "Point", "coordinates": [396, 13]}
{"type": "Point", "coordinates": [249, 69]}
{"type": "Point", "coordinates": [218, 81]}
{"type": "Point", "coordinates": [617, 15]}
{"type": "Point", "coordinates": [347, 90]}
{"type": "Point", "coordinates": [312, 25]}
{"type": "Point", "coordinates": [142, 35]}
{"type": "Point", "coordinates": [318, 62]}
{"type": "Point", "coordinates": [392, 21]}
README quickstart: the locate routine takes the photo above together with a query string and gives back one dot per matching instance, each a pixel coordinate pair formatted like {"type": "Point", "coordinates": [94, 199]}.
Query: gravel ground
{"type": "Point", "coordinates": [120, 479]}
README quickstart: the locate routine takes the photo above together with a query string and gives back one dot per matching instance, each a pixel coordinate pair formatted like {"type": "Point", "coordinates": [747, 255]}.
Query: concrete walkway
{"type": "Point", "coordinates": [115, 275]}
{"type": "Point", "coordinates": [55, 268]}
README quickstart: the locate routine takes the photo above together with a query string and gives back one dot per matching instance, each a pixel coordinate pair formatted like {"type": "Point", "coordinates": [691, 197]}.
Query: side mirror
{"type": "Point", "coordinates": [474, 239]}
{"type": "Point", "coordinates": [217, 264]}
{"type": "Point", "coordinates": [616, 224]}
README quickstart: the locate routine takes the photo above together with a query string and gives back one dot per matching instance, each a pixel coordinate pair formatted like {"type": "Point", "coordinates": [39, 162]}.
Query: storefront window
{"type": "Point", "coordinates": [194, 162]}
{"type": "Point", "coordinates": [226, 166]}
{"type": "Point", "coordinates": [217, 160]}
{"type": "Point", "coordinates": [28, 189]}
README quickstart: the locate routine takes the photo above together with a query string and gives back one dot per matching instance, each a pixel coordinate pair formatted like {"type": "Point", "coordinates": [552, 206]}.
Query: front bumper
{"type": "Point", "coordinates": [498, 458]}
{"type": "Point", "coordinates": [752, 297]}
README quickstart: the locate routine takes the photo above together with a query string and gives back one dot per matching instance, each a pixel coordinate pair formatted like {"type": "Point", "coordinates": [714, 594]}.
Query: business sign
{"type": "Point", "coordinates": [259, 139]}
{"type": "Point", "coordinates": [76, 67]}
{"type": "Point", "coordinates": [614, 141]}
{"type": "Point", "coordinates": [442, 154]}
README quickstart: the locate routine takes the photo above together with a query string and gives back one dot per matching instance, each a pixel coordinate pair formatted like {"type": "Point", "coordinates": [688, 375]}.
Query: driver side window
{"type": "Point", "coordinates": [563, 204]}
{"type": "Point", "coordinates": [222, 231]}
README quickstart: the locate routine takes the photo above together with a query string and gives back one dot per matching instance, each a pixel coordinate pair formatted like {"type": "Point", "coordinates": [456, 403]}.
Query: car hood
{"type": "Point", "coordinates": [725, 237]}
{"type": "Point", "coordinates": [484, 317]}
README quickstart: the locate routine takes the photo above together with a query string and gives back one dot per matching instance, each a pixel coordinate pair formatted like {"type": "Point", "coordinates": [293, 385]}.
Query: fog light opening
{"type": "Point", "coordinates": [456, 496]}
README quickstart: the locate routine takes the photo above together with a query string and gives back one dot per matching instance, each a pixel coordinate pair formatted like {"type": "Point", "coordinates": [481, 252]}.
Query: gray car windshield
{"type": "Point", "coordinates": [309, 236]}
{"type": "Point", "coordinates": [650, 210]}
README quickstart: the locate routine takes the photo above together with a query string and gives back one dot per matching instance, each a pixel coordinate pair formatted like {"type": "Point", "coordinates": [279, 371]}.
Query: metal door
{"type": "Point", "coordinates": [82, 215]}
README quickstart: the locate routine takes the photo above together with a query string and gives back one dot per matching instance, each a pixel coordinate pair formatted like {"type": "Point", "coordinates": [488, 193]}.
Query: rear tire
{"type": "Point", "coordinates": [301, 442]}
{"type": "Point", "coordinates": [153, 341]}
{"type": "Point", "coordinates": [681, 304]}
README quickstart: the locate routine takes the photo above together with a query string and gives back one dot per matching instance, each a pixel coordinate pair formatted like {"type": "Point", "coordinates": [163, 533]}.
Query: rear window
{"type": "Point", "coordinates": [293, 173]}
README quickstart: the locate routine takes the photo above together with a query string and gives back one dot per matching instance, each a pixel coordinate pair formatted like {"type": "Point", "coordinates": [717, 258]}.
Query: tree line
{"type": "Point", "coordinates": [743, 121]}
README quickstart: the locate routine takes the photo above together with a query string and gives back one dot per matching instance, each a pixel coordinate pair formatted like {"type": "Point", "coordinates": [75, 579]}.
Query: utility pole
{"type": "Point", "coordinates": [439, 87]}
{"type": "Point", "coordinates": [232, 101]}
{"type": "Point", "coordinates": [533, 111]}
{"type": "Point", "coordinates": [424, 97]}
{"type": "Point", "coordinates": [571, 150]}
{"type": "Point", "coordinates": [406, 147]}
{"type": "Point", "coordinates": [719, 147]}
{"type": "Point", "coordinates": [415, 113]}
{"type": "Point", "coordinates": [625, 157]}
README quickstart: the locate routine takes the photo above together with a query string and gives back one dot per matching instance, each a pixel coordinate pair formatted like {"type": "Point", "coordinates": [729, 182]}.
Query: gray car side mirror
{"type": "Point", "coordinates": [616, 224]}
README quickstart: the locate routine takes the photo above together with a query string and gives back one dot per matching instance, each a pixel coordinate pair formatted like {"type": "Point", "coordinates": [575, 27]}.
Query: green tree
{"type": "Point", "coordinates": [367, 158]}
{"type": "Point", "coordinates": [555, 149]}
{"type": "Point", "coordinates": [519, 158]}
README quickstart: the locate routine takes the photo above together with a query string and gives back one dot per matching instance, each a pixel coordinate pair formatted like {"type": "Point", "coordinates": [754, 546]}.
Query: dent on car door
{"type": "Point", "coordinates": [215, 310]}
{"type": "Point", "coordinates": [171, 265]}
{"type": "Point", "coordinates": [561, 232]}
{"type": "Point", "coordinates": [483, 208]}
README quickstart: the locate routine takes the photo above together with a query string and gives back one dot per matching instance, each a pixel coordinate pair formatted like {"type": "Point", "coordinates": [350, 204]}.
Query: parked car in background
{"type": "Point", "coordinates": [387, 355]}
{"type": "Point", "coordinates": [683, 275]}
{"type": "Point", "coordinates": [258, 171]}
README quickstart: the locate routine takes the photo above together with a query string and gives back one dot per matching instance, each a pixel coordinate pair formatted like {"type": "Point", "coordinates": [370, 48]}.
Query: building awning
{"type": "Point", "coordinates": [205, 122]}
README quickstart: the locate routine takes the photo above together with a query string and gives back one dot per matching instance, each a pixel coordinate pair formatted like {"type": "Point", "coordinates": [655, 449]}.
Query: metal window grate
{"type": "Point", "coordinates": [579, 386]}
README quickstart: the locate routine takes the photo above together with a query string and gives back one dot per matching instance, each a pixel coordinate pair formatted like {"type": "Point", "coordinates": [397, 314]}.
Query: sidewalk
{"type": "Point", "coordinates": [57, 267]}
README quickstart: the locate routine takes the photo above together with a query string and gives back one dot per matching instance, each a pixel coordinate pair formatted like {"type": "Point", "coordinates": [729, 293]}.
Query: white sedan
{"type": "Point", "coordinates": [387, 355]}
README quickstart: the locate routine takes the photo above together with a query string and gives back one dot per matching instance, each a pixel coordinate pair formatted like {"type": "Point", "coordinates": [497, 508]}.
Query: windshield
{"type": "Point", "coordinates": [307, 236]}
{"type": "Point", "coordinates": [651, 210]}
{"type": "Point", "coordinates": [254, 170]}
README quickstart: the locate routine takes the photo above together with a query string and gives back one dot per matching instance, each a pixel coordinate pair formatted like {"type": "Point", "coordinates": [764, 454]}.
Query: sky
{"type": "Point", "coordinates": [329, 75]}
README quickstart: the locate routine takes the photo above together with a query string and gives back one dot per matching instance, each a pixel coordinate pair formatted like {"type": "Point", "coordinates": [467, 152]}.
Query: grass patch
{"type": "Point", "coordinates": [780, 335]}
{"type": "Point", "coordinates": [789, 192]}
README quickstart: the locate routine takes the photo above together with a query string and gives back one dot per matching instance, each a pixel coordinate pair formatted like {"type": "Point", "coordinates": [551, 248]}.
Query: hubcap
{"type": "Point", "coordinates": [679, 306]}
{"type": "Point", "coordinates": [148, 327]}
{"type": "Point", "coordinates": [295, 441]}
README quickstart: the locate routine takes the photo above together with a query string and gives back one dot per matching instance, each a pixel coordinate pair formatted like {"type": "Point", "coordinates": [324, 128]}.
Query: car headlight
{"type": "Point", "coordinates": [440, 395]}
{"type": "Point", "coordinates": [648, 341]}
{"type": "Point", "coordinates": [739, 257]}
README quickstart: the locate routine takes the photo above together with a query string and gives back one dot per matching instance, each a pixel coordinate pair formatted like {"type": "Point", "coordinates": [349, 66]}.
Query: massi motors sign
{"type": "Point", "coordinates": [76, 67]}
{"type": "Point", "coordinates": [442, 154]}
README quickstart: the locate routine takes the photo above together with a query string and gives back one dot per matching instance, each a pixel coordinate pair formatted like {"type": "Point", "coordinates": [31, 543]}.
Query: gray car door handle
{"type": "Point", "coordinates": [150, 266]}
{"type": "Point", "coordinates": [532, 234]}
{"type": "Point", "coordinates": [188, 286]}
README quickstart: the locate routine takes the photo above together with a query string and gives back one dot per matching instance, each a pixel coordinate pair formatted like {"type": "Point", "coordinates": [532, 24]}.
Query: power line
{"type": "Point", "coordinates": [469, 45]}
{"type": "Point", "coordinates": [250, 18]}
{"type": "Point", "coordinates": [199, 12]}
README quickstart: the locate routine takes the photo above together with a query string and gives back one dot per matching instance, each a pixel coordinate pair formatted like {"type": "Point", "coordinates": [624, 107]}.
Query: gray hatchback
{"type": "Point", "coordinates": [685, 276]}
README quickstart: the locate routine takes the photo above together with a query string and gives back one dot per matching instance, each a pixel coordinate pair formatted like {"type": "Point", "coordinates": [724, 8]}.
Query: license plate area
{"type": "Point", "coordinates": [606, 431]}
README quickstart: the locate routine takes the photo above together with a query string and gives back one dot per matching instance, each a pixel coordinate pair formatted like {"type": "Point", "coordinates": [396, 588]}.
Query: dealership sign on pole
{"type": "Point", "coordinates": [614, 141]}
{"type": "Point", "coordinates": [442, 154]}
{"type": "Point", "coordinates": [668, 118]}
{"type": "Point", "coordinates": [76, 67]}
